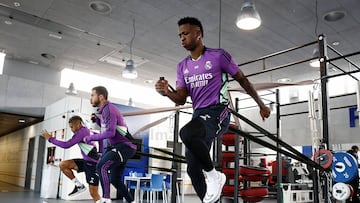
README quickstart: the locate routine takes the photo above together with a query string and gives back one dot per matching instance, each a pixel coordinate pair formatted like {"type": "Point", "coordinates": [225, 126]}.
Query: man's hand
{"type": "Point", "coordinates": [87, 139]}
{"type": "Point", "coordinates": [162, 87]}
{"type": "Point", "coordinates": [93, 117]}
{"type": "Point", "coordinates": [45, 134]}
{"type": "Point", "coordinates": [265, 112]}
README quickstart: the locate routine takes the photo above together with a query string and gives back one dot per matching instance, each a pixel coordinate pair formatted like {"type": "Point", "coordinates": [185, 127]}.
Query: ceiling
{"type": "Point", "coordinates": [89, 38]}
{"type": "Point", "coordinates": [12, 122]}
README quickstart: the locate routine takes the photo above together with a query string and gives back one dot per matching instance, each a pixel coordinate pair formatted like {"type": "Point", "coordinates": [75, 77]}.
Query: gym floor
{"type": "Point", "coordinates": [14, 194]}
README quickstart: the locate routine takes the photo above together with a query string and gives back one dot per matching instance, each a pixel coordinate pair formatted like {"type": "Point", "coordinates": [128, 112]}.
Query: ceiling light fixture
{"type": "Point", "coordinates": [335, 43]}
{"type": "Point", "coordinates": [33, 62]}
{"type": "Point", "coordinates": [130, 72]}
{"type": "Point", "coordinates": [2, 61]}
{"type": "Point", "coordinates": [21, 121]}
{"type": "Point", "coordinates": [71, 89]}
{"type": "Point", "coordinates": [149, 81]}
{"type": "Point", "coordinates": [8, 22]}
{"type": "Point", "coordinates": [55, 36]}
{"type": "Point", "coordinates": [249, 18]}
{"type": "Point", "coordinates": [131, 102]}
{"type": "Point", "coordinates": [17, 4]}
{"type": "Point", "coordinates": [315, 62]}
{"type": "Point", "coordinates": [284, 80]}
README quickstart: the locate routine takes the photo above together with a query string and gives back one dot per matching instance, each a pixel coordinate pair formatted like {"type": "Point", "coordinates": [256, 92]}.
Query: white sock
{"type": "Point", "coordinates": [211, 174]}
{"type": "Point", "coordinates": [76, 182]}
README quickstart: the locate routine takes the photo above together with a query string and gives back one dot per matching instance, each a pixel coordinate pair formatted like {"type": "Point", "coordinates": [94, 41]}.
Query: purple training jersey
{"type": "Point", "coordinates": [206, 78]}
{"type": "Point", "coordinates": [110, 119]}
{"type": "Point", "coordinates": [75, 139]}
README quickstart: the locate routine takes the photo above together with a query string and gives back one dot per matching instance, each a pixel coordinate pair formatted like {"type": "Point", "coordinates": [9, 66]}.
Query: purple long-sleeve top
{"type": "Point", "coordinates": [75, 139]}
{"type": "Point", "coordinates": [110, 118]}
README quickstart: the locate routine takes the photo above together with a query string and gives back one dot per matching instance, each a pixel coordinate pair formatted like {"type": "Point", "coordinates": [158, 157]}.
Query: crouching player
{"type": "Point", "coordinates": [87, 164]}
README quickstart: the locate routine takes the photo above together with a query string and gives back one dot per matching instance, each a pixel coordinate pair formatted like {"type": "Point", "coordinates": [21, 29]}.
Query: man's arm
{"type": "Point", "coordinates": [248, 87]}
{"type": "Point", "coordinates": [75, 139]}
{"type": "Point", "coordinates": [109, 122]}
{"type": "Point", "coordinates": [179, 96]}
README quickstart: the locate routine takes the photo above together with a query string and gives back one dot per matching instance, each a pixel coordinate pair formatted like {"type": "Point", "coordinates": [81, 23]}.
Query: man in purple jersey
{"type": "Point", "coordinates": [203, 75]}
{"type": "Point", "coordinates": [117, 149]}
{"type": "Point", "coordinates": [87, 164]}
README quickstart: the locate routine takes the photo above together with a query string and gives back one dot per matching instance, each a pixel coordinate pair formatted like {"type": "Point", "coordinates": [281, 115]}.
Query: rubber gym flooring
{"type": "Point", "coordinates": [14, 194]}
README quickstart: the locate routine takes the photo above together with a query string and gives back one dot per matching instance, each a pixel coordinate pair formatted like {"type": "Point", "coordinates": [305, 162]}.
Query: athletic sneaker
{"type": "Point", "coordinates": [214, 187]}
{"type": "Point", "coordinates": [103, 201]}
{"type": "Point", "coordinates": [77, 190]}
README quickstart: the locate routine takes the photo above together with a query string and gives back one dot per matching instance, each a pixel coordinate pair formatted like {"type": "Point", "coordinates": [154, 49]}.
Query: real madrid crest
{"type": "Point", "coordinates": [208, 65]}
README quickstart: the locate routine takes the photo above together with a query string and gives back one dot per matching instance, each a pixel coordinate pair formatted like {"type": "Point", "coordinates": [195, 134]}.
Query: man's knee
{"type": "Point", "coordinates": [68, 164]}
{"type": "Point", "coordinates": [194, 170]}
{"type": "Point", "coordinates": [192, 130]}
{"type": "Point", "coordinates": [64, 165]}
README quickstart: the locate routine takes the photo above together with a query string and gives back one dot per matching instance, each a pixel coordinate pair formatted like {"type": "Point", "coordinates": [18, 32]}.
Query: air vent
{"type": "Point", "coordinates": [100, 7]}
{"type": "Point", "coordinates": [119, 58]}
{"type": "Point", "coordinates": [48, 56]}
{"type": "Point", "coordinates": [333, 16]}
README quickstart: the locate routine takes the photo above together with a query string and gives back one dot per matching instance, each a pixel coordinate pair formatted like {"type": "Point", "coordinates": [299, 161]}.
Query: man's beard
{"type": "Point", "coordinates": [190, 48]}
{"type": "Point", "coordinates": [95, 104]}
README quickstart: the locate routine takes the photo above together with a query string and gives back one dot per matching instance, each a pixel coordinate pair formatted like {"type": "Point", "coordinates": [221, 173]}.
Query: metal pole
{"type": "Point", "coordinates": [278, 154]}
{"type": "Point", "coordinates": [324, 91]}
{"type": "Point", "coordinates": [358, 98]}
{"type": "Point", "coordinates": [175, 166]}
{"type": "Point", "coordinates": [340, 74]}
{"type": "Point", "coordinates": [278, 53]}
{"type": "Point", "coordinates": [345, 58]}
{"type": "Point", "coordinates": [278, 67]}
{"type": "Point", "coordinates": [340, 69]}
{"type": "Point", "coordinates": [236, 167]}
{"type": "Point", "coordinates": [315, 184]}
{"type": "Point", "coordinates": [324, 101]}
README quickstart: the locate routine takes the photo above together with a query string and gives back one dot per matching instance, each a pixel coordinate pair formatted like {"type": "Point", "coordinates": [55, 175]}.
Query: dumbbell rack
{"type": "Point", "coordinates": [241, 174]}
{"type": "Point", "coordinates": [227, 160]}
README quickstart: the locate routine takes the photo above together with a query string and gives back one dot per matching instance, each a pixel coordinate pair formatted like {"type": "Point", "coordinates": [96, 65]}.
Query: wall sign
{"type": "Point", "coordinates": [353, 116]}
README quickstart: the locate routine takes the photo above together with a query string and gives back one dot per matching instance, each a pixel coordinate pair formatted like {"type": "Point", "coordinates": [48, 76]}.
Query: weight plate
{"type": "Point", "coordinates": [344, 167]}
{"type": "Point", "coordinates": [341, 191]}
{"type": "Point", "coordinates": [323, 157]}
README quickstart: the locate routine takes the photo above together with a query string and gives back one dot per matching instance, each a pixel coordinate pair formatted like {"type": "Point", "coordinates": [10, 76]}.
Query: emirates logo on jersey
{"type": "Point", "coordinates": [208, 65]}
{"type": "Point", "coordinates": [200, 80]}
